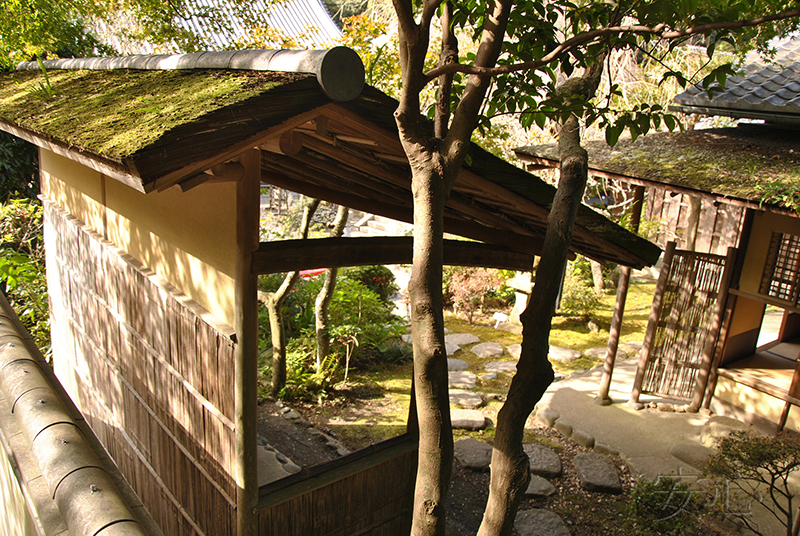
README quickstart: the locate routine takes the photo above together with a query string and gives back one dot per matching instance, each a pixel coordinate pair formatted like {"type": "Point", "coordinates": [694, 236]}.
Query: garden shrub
{"type": "Point", "coordinates": [22, 267]}
{"type": "Point", "coordinates": [759, 467]}
{"type": "Point", "coordinates": [469, 288]}
{"type": "Point", "coordinates": [377, 278]}
{"type": "Point", "coordinates": [578, 298]}
{"type": "Point", "coordinates": [666, 507]}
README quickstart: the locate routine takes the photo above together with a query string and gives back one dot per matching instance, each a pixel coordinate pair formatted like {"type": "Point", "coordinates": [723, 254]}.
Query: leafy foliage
{"type": "Point", "coordinates": [469, 288]}
{"type": "Point", "coordinates": [666, 507]}
{"type": "Point", "coordinates": [578, 297]}
{"type": "Point", "coordinates": [755, 463]}
{"type": "Point", "coordinates": [22, 272]}
{"type": "Point", "coordinates": [377, 278]}
{"type": "Point", "coordinates": [19, 168]}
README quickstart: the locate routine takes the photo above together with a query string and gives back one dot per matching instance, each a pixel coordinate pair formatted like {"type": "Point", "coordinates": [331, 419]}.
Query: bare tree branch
{"type": "Point", "coordinates": [449, 54]}
{"type": "Point", "coordinates": [659, 30]}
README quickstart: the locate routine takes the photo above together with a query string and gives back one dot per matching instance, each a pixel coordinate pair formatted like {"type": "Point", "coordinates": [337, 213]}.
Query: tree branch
{"type": "Point", "coordinates": [428, 11]}
{"type": "Point", "coordinates": [449, 54]}
{"type": "Point", "coordinates": [659, 30]}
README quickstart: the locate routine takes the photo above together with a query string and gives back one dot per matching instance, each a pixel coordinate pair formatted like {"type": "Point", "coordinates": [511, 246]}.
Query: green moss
{"type": "Point", "coordinates": [117, 113]}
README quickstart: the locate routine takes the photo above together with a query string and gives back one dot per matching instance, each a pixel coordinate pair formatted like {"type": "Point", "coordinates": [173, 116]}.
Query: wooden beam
{"type": "Point", "coordinates": [246, 350]}
{"type": "Point", "coordinates": [192, 169]}
{"type": "Point", "coordinates": [288, 255]}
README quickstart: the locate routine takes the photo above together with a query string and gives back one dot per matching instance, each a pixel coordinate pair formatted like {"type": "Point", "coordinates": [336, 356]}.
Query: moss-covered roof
{"type": "Point", "coordinates": [127, 115]}
{"type": "Point", "coordinates": [118, 113]}
{"type": "Point", "coordinates": [754, 163]}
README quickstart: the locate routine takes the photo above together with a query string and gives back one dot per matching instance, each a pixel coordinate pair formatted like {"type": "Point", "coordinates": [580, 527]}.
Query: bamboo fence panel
{"type": "Point", "coordinates": [367, 499]}
{"type": "Point", "coordinates": [682, 331]}
{"type": "Point", "coordinates": [151, 376]}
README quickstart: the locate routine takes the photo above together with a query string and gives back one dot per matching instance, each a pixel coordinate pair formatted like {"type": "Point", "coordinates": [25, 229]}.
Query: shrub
{"type": "Point", "coordinates": [469, 288]}
{"type": "Point", "coordinates": [748, 461]}
{"type": "Point", "coordinates": [22, 270]}
{"type": "Point", "coordinates": [377, 278]}
{"type": "Point", "coordinates": [578, 297]}
{"type": "Point", "coordinates": [666, 507]}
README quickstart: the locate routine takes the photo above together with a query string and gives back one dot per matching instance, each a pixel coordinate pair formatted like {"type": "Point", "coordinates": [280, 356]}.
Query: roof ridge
{"type": "Point", "coordinates": [339, 70]}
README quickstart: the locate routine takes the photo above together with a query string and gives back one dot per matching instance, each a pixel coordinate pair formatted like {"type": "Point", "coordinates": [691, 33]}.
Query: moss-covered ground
{"type": "Point", "coordinates": [375, 405]}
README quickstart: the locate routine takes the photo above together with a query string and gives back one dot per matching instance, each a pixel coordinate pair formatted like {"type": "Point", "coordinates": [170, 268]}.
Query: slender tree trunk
{"type": "Point", "coordinates": [326, 293]}
{"type": "Point", "coordinates": [431, 393]}
{"type": "Point", "coordinates": [597, 276]}
{"type": "Point", "coordinates": [274, 301]}
{"type": "Point", "coordinates": [510, 465]}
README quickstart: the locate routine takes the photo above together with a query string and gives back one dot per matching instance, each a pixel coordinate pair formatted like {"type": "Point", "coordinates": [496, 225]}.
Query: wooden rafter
{"type": "Point", "coordinates": [287, 255]}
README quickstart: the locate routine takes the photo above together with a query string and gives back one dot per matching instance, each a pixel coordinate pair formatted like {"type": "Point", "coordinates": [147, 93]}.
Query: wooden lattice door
{"type": "Point", "coordinates": [684, 324]}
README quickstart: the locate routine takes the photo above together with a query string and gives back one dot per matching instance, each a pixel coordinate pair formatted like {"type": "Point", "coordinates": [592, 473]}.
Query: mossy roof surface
{"type": "Point", "coordinates": [117, 113]}
{"type": "Point", "coordinates": [757, 163]}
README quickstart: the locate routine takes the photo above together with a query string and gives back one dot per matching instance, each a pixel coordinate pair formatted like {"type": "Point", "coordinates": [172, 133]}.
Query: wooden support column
{"type": "Point", "coordinates": [602, 397]}
{"type": "Point", "coordinates": [652, 325]}
{"type": "Point", "coordinates": [246, 352]}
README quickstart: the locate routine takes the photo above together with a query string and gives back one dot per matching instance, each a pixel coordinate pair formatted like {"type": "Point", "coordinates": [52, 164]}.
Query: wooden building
{"type": "Point", "coordinates": [744, 181]}
{"type": "Point", "coordinates": [150, 176]}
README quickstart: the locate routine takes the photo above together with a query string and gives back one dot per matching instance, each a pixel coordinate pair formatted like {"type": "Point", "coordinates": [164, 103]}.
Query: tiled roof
{"type": "Point", "coordinates": [307, 21]}
{"type": "Point", "coordinates": [769, 91]}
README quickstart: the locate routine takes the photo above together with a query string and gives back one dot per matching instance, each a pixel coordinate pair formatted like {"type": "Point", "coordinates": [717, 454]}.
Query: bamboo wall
{"type": "Point", "coordinates": [369, 495]}
{"type": "Point", "coordinates": [151, 375]}
{"type": "Point", "coordinates": [718, 228]}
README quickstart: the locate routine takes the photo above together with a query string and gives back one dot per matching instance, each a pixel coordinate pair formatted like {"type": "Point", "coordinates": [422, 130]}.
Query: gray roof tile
{"type": "Point", "coordinates": [766, 88]}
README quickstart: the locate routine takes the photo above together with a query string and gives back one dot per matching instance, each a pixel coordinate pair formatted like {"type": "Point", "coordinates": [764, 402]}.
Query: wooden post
{"type": "Point", "coordinates": [794, 391]}
{"type": "Point", "coordinates": [246, 352]}
{"type": "Point", "coordinates": [602, 397]}
{"type": "Point", "coordinates": [652, 324]}
{"type": "Point", "coordinates": [716, 322]}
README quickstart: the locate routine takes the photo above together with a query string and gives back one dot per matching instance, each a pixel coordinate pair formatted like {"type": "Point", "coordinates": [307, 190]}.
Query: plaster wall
{"type": "Point", "coordinates": [764, 224]}
{"type": "Point", "coordinates": [753, 405]}
{"type": "Point", "coordinates": [188, 238]}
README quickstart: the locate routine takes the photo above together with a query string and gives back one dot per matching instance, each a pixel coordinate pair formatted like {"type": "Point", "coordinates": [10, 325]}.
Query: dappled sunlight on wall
{"type": "Point", "coordinates": [755, 402]}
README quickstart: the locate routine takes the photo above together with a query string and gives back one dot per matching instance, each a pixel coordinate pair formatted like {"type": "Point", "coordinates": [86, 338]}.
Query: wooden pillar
{"type": "Point", "coordinates": [710, 347]}
{"type": "Point", "coordinates": [602, 397]}
{"type": "Point", "coordinates": [652, 325]}
{"type": "Point", "coordinates": [246, 352]}
{"type": "Point", "coordinates": [695, 208]}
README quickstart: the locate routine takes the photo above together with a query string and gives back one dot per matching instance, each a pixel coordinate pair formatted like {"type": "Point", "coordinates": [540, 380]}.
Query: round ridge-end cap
{"type": "Point", "coordinates": [341, 74]}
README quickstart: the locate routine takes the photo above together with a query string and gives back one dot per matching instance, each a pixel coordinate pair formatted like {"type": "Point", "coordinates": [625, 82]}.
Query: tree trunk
{"type": "Point", "coordinates": [597, 276]}
{"type": "Point", "coordinates": [326, 293]}
{"type": "Point", "coordinates": [431, 393]}
{"type": "Point", "coordinates": [274, 301]}
{"type": "Point", "coordinates": [510, 465]}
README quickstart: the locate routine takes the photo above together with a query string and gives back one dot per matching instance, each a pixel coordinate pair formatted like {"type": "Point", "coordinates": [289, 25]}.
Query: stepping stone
{"type": "Point", "coordinates": [539, 487]}
{"type": "Point", "coordinates": [487, 349]}
{"type": "Point", "coordinates": [501, 366]}
{"type": "Point", "coordinates": [451, 348]}
{"type": "Point", "coordinates": [465, 399]}
{"type": "Point", "coordinates": [538, 522]}
{"type": "Point", "coordinates": [693, 454]}
{"type": "Point", "coordinates": [510, 327]}
{"type": "Point", "coordinates": [601, 351]}
{"type": "Point", "coordinates": [547, 417]}
{"type": "Point", "coordinates": [544, 460]}
{"type": "Point", "coordinates": [630, 348]}
{"type": "Point", "coordinates": [457, 364]}
{"type": "Point", "coordinates": [582, 438]}
{"type": "Point", "coordinates": [473, 454]}
{"type": "Point", "coordinates": [597, 472]}
{"type": "Point", "coordinates": [461, 338]}
{"type": "Point", "coordinates": [564, 355]}
{"type": "Point", "coordinates": [467, 419]}
{"type": "Point", "coordinates": [488, 376]}
{"type": "Point", "coordinates": [462, 379]}
{"type": "Point", "coordinates": [406, 338]}
{"type": "Point", "coordinates": [515, 350]}
{"type": "Point", "coordinates": [720, 426]}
